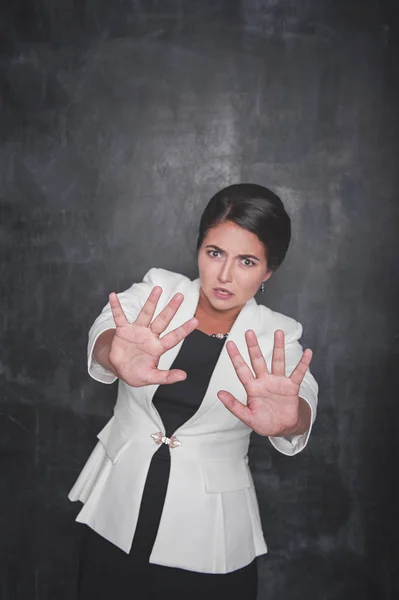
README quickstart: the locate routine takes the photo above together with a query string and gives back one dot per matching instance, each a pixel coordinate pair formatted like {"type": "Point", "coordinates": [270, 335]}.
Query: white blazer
{"type": "Point", "coordinates": [210, 521]}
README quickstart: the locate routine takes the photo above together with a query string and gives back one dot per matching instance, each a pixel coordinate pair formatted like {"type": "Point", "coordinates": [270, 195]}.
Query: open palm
{"type": "Point", "coordinates": [272, 397]}
{"type": "Point", "coordinates": [137, 347]}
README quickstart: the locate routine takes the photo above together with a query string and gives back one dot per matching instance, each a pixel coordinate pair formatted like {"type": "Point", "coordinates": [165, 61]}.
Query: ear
{"type": "Point", "coordinates": [269, 274]}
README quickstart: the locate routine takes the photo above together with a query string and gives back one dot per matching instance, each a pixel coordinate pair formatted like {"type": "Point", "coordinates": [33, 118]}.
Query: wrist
{"type": "Point", "coordinates": [302, 424]}
{"type": "Point", "coordinates": [304, 417]}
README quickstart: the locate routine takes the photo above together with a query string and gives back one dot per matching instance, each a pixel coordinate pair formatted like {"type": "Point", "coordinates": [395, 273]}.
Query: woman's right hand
{"type": "Point", "coordinates": [136, 347]}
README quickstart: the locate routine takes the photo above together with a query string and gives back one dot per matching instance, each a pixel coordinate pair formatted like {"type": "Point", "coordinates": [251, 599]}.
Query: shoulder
{"type": "Point", "coordinates": [164, 278]}
{"type": "Point", "coordinates": [138, 292]}
{"type": "Point", "coordinates": [270, 320]}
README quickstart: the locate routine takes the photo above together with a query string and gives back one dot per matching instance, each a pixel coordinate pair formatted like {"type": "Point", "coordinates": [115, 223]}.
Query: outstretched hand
{"type": "Point", "coordinates": [273, 401]}
{"type": "Point", "coordinates": [137, 347]}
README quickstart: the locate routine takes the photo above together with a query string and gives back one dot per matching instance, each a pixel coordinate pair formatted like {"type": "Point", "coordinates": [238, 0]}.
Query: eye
{"type": "Point", "coordinates": [213, 253]}
{"type": "Point", "coordinates": [248, 262]}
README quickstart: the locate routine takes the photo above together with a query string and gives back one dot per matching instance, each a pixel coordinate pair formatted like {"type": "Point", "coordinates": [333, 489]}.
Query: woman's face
{"type": "Point", "coordinates": [232, 265]}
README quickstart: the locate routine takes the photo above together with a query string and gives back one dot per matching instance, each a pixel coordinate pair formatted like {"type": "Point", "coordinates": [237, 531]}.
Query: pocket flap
{"type": "Point", "coordinates": [113, 439]}
{"type": "Point", "coordinates": [227, 476]}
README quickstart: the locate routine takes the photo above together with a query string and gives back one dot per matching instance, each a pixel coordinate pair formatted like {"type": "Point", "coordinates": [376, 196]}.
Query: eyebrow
{"type": "Point", "coordinates": [239, 256]}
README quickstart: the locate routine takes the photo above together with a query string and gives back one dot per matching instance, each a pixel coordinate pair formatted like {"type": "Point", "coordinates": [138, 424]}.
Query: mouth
{"type": "Point", "coordinates": [222, 292]}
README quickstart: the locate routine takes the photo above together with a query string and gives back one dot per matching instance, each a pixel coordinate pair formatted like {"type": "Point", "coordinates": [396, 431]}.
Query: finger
{"type": "Point", "coordinates": [117, 311]}
{"type": "Point", "coordinates": [160, 323]}
{"type": "Point", "coordinates": [165, 377]}
{"type": "Point", "coordinates": [255, 354]}
{"type": "Point", "coordinates": [241, 411]}
{"type": "Point", "coordinates": [278, 358]}
{"type": "Point", "coordinates": [173, 338]}
{"type": "Point", "coordinates": [244, 373]}
{"type": "Point", "coordinates": [299, 372]}
{"type": "Point", "coordinates": [147, 312]}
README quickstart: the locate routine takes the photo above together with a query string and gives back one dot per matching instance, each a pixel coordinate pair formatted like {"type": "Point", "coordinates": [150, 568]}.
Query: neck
{"type": "Point", "coordinates": [212, 320]}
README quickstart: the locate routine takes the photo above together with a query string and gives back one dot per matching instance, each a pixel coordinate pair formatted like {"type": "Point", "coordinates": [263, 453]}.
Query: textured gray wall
{"type": "Point", "coordinates": [119, 121]}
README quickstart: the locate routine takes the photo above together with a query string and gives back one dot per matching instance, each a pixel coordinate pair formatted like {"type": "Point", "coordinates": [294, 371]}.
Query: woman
{"type": "Point", "coordinates": [167, 492]}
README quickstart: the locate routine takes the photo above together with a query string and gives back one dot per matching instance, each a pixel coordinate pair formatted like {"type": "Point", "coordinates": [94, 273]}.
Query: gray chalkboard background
{"type": "Point", "coordinates": [118, 122]}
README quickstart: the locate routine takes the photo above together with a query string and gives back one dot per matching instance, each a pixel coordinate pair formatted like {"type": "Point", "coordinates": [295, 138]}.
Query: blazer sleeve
{"type": "Point", "coordinates": [308, 391]}
{"type": "Point", "coordinates": [132, 301]}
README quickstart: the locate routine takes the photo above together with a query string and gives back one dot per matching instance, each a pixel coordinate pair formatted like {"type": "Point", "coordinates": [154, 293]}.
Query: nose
{"type": "Point", "coordinates": [225, 273]}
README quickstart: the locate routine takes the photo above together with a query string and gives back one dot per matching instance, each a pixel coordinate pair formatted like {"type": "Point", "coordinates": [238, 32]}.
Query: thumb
{"type": "Point", "coordinates": [165, 377]}
{"type": "Point", "coordinates": [238, 409]}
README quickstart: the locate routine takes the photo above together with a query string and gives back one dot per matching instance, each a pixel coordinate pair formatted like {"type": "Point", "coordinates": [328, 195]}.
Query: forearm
{"type": "Point", "coordinates": [102, 349]}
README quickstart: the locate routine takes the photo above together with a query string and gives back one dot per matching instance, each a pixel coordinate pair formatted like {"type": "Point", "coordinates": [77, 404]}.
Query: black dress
{"type": "Point", "coordinates": [106, 572]}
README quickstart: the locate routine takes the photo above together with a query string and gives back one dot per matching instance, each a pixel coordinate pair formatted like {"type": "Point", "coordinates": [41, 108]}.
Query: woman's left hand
{"type": "Point", "coordinates": [273, 402]}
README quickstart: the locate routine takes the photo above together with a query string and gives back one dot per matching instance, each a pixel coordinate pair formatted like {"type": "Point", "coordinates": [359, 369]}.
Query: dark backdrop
{"type": "Point", "coordinates": [119, 120]}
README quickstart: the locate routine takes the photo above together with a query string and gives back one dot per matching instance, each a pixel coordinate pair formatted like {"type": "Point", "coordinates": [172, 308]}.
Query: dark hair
{"type": "Point", "coordinates": [255, 208]}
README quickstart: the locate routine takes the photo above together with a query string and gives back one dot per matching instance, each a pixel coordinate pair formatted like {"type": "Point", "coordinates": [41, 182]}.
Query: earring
{"type": "Point", "coordinates": [262, 287]}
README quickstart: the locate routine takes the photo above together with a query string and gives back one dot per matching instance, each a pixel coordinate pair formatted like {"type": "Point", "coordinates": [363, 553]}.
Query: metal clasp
{"type": "Point", "coordinates": [172, 442]}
